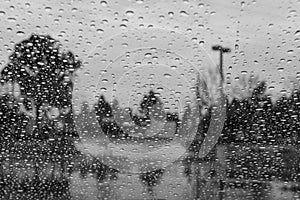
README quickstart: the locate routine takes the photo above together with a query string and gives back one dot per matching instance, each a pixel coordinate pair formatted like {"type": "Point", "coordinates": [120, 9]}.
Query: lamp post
{"type": "Point", "coordinates": [221, 50]}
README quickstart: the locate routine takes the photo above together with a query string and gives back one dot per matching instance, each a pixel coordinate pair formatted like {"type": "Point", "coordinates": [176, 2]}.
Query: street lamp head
{"type": "Point", "coordinates": [220, 48]}
{"type": "Point", "coordinates": [226, 50]}
{"type": "Point", "coordinates": [216, 47]}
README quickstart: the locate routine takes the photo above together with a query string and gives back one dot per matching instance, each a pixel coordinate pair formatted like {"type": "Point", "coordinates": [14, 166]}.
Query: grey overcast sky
{"type": "Point", "coordinates": [264, 35]}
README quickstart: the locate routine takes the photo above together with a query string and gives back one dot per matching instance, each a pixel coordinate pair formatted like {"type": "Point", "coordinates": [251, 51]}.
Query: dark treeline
{"type": "Point", "coordinates": [43, 73]}
{"type": "Point", "coordinates": [259, 120]}
{"type": "Point", "coordinates": [103, 110]}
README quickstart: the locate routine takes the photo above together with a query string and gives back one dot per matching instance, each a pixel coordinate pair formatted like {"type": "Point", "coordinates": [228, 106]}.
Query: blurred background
{"type": "Point", "coordinates": [53, 52]}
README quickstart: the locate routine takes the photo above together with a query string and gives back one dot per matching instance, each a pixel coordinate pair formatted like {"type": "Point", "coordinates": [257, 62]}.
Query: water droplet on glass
{"type": "Point", "coordinates": [139, 1]}
{"type": "Point", "coordinates": [201, 42]}
{"type": "Point", "coordinates": [124, 44]}
{"type": "Point", "coordinates": [148, 55]}
{"type": "Point", "coordinates": [242, 4]}
{"type": "Point", "coordinates": [292, 12]}
{"type": "Point", "coordinates": [201, 5]}
{"type": "Point", "coordinates": [20, 33]}
{"type": "Point", "coordinates": [123, 26]}
{"type": "Point", "coordinates": [129, 13]}
{"type": "Point", "coordinates": [11, 19]}
{"type": "Point", "coordinates": [166, 75]}
{"type": "Point", "coordinates": [103, 89]}
{"type": "Point", "coordinates": [184, 13]}
{"type": "Point", "coordinates": [99, 30]}
{"type": "Point", "coordinates": [103, 3]}
{"type": "Point", "coordinates": [48, 9]}
{"type": "Point", "coordinates": [171, 14]}
{"type": "Point", "coordinates": [280, 69]}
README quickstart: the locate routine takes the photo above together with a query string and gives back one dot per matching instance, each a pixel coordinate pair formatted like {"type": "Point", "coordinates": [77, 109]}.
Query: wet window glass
{"type": "Point", "coordinates": [149, 99]}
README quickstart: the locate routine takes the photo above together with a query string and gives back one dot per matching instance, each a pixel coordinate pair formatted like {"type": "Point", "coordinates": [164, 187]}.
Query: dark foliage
{"type": "Point", "coordinates": [258, 120]}
{"type": "Point", "coordinates": [43, 73]}
{"type": "Point", "coordinates": [152, 178]}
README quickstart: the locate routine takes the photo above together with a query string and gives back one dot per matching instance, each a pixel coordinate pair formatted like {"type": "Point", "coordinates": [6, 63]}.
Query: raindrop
{"type": "Point", "coordinates": [99, 30]}
{"type": "Point", "coordinates": [103, 3]}
{"type": "Point", "coordinates": [103, 89]}
{"type": "Point", "coordinates": [123, 26]}
{"type": "Point", "coordinates": [48, 9]}
{"type": "Point", "coordinates": [201, 5]}
{"type": "Point", "coordinates": [201, 42]}
{"type": "Point", "coordinates": [20, 33]}
{"type": "Point", "coordinates": [166, 75]}
{"type": "Point", "coordinates": [148, 55]}
{"type": "Point", "coordinates": [292, 12]}
{"type": "Point", "coordinates": [297, 33]}
{"type": "Point", "coordinates": [271, 87]}
{"type": "Point", "coordinates": [74, 9]}
{"type": "Point", "coordinates": [242, 4]}
{"type": "Point", "coordinates": [11, 19]}
{"type": "Point", "coordinates": [104, 80]}
{"type": "Point", "coordinates": [139, 1]}
{"type": "Point", "coordinates": [171, 14]}
{"type": "Point", "coordinates": [184, 13]}
{"type": "Point", "coordinates": [280, 69]}
{"type": "Point", "coordinates": [2, 13]}
{"type": "Point", "coordinates": [129, 13]}
{"type": "Point", "coordinates": [125, 44]}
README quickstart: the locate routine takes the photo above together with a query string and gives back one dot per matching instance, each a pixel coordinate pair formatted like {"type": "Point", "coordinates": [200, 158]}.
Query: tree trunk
{"type": "Point", "coordinates": [37, 133]}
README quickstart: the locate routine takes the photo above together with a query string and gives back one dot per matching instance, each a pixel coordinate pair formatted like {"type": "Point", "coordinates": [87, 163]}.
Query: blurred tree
{"type": "Point", "coordinates": [43, 72]}
{"type": "Point", "coordinates": [151, 179]}
{"type": "Point", "coordinates": [13, 123]}
{"type": "Point", "coordinates": [104, 115]}
{"type": "Point", "coordinates": [246, 116]}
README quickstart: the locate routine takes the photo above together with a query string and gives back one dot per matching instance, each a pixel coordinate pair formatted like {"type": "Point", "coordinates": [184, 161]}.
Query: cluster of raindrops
{"type": "Point", "coordinates": [137, 95]}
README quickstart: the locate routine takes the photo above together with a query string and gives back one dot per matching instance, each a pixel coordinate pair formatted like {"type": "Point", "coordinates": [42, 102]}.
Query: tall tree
{"type": "Point", "coordinates": [43, 72]}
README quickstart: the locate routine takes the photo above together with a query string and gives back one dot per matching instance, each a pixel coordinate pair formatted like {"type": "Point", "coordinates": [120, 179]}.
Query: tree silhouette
{"type": "Point", "coordinates": [151, 179]}
{"type": "Point", "coordinates": [43, 72]}
{"type": "Point", "coordinates": [109, 127]}
{"type": "Point", "coordinates": [148, 101]}
{"type": "Point", "coordinates": [246, 117]}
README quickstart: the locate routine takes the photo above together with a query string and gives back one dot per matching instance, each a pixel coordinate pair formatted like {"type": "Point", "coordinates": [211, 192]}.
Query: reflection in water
{"type": "Point", "coordinates": [189, 178]}
{"type": "Point", "coordinates": [193, 178]}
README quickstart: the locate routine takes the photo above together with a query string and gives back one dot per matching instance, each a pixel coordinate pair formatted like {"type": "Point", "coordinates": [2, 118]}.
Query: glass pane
{"type": "Point", "coordinates": [149, 99]}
